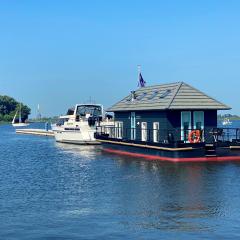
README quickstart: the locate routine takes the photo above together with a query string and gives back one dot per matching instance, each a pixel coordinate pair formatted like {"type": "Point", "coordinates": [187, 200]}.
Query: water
{"type": "Point", "coordinates": [57, 191]}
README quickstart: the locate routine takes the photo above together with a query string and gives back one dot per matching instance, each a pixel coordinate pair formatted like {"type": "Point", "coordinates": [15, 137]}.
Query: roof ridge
{"type": "Point", "coordinates": [174, 95]}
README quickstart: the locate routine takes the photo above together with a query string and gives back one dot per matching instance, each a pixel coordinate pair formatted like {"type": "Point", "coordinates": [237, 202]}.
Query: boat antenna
{"type": "Point", "coordinates": [91, 100]}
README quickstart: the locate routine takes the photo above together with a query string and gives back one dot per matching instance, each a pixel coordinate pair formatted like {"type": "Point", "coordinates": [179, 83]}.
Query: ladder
{"type": "Point", "coordinates": [210, 150]}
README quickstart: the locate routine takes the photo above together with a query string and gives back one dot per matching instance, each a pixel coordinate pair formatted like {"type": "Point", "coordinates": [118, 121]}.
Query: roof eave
{"type": "Point", "coordinates": [162, 109]}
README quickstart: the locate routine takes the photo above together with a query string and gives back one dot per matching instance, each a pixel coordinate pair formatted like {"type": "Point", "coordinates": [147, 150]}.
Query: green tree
{"type": "Point", "coordinates": [25, 111]}
{"type": "Point", "coordinates": [8, 108]}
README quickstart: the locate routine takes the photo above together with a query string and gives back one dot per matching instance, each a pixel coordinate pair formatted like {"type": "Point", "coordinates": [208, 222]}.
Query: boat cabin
{"type": "Point", "coordinates": [166, 113]}
{"type": "Point", "coordinates": [82, 112]}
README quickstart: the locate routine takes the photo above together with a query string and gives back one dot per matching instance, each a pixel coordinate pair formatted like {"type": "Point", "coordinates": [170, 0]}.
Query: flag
{"type": "Point", "coordinates": [141, 82]}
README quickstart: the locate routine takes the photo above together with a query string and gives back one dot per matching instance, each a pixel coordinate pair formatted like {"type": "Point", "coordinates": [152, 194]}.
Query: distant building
{"type": "Point", "coordinates": [39, 116]}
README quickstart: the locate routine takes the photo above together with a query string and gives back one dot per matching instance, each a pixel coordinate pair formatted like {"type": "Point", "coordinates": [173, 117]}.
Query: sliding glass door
{"type": "Point", "coordinates": [186, 125]}
{"type": "Point", "coordinates": [198, 122]}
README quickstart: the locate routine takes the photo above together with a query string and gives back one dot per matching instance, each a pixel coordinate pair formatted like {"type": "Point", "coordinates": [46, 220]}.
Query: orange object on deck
{"type": "Point", "coordinates": [194, 136]}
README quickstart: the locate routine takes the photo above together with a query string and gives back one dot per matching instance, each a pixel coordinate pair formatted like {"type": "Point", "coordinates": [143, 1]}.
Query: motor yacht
{"type": "Point", "coordinates": [226, 122]}
{"type": "Point", "coordinates": [78, 126]}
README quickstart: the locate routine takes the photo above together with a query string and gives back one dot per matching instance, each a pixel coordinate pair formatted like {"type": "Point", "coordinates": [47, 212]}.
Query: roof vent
{"type": "Point", "coordinates": [133, 96]}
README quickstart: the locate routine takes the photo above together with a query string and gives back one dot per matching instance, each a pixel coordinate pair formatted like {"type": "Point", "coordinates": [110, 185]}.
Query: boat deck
{"type": "Point", "coordinates": [220, 145]}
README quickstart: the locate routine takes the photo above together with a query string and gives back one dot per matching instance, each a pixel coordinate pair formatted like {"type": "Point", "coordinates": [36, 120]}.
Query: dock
{"type": "Point", "coordinates": [39, 132]}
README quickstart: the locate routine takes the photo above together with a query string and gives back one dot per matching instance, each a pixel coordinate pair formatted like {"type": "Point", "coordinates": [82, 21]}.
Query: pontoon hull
{"type": "Point", "coordinates": [185, 154]}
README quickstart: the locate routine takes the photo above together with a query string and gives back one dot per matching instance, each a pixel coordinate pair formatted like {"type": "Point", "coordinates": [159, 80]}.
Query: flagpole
{"type": "Point", "coordinates": [139, 71]}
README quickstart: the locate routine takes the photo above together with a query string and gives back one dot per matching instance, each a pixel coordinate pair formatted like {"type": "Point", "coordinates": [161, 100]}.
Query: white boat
{"type": "Point", "coordinates": [19, 123]}
{"type": "Point", "coordinates": [226, 121]}
{"type": "Point", "coordinates": [79, 125]}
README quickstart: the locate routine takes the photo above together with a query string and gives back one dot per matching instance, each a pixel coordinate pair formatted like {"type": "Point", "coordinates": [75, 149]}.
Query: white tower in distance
{"type": "Point", "coordinates": [38, 113]}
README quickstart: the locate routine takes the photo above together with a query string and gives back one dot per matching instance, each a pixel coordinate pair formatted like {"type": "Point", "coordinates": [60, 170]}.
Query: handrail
{"type": "Point", "coordinates": [168, 135]}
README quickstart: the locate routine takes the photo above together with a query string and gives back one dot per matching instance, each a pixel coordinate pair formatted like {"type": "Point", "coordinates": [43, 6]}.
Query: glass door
{"type": "Point", "coordinates": [198, 121]}
{"type": "Point", "coordinates": [144, 131]}
{"type": "Point", "coordinates": [133, 126]}
{"type": "Point", "coordinates": [186, 125]}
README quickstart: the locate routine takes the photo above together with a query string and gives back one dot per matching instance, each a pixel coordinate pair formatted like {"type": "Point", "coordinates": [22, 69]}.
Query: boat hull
{"type": "Point", "coordinates": [20, 124]}
{"type": "Point", "coordinates": [79, 142]}
{"type": "Point", "coordinates": [184, 154]}
{"type": "Point", "coordinates": [75, 137]}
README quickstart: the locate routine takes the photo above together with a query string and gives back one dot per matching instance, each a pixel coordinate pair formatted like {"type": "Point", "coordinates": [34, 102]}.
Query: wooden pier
{"type": "Point", "coordinates": [39, 132]}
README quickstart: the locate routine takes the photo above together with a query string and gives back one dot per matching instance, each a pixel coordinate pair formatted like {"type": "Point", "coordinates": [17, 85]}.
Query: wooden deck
{"type": "Point", "coordinates": [39, 132]}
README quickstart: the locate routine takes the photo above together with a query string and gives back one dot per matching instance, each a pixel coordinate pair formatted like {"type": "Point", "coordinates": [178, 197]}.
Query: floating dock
{"type": "Point", "coordinates": [39, 132]}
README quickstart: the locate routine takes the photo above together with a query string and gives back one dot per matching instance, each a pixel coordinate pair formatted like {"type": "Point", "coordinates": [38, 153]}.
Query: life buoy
{"type": "Point", "coordinates": [194, 136]}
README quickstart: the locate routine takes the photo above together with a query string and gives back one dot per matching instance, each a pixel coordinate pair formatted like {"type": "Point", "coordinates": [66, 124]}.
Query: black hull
{"type": "Point", "coordinates": [185, 154]}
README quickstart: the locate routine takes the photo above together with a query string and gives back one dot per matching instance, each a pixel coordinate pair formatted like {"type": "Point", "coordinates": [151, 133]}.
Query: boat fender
{"type": "Point", "coordinates": [194, 136]}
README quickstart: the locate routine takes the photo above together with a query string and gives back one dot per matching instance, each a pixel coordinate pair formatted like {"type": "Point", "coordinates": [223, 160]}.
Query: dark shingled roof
{"type": "Point", "coordinates": [172, 96]}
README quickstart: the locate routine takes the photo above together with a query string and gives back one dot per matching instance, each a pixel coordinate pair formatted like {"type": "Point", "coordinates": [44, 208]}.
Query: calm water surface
{"type": "Point", "coordinates": [56, 191]}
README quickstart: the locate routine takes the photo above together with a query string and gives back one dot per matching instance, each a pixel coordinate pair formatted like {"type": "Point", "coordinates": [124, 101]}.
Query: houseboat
{"type": "Point", "coordinates": [174, 122]}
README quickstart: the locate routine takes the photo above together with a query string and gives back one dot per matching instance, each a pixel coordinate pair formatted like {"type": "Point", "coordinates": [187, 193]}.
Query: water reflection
{"type": "Point", "coordinates": [171, 196]}
{"type": "Point", "coordinates": [84, 151]}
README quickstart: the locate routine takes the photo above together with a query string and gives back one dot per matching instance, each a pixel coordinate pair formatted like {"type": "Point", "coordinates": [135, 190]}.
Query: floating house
{"type": "Point", "coordinates": [173, 122]}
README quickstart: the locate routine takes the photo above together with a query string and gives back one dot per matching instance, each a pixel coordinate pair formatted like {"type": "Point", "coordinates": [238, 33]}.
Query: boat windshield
{"type": "Point", "coordinates": [89, 110]}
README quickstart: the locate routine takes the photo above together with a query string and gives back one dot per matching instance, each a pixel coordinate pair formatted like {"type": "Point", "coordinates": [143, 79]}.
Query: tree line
{"type": "Point", "coordinates": [8, 108]}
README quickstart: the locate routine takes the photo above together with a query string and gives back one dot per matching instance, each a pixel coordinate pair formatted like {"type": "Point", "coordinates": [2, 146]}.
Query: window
{"type": "Point", "coordinates": [156, 132]}
{"type": "Point", "coordinates": [88, 110]}
{"type": "Point", "coordinates": [144, 131]}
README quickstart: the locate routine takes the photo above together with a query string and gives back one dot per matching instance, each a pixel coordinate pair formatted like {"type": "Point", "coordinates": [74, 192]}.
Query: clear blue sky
{"type": "Point", "coordinates": [58, 53]}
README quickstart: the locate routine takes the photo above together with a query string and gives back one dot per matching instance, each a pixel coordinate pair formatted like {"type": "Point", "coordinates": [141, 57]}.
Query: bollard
{"type": "Point", "coordinates": [46, 126]}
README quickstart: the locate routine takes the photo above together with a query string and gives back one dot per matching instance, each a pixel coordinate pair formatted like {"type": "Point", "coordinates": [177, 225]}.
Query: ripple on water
{"type": "Point", "coordinates": [57, 191]}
